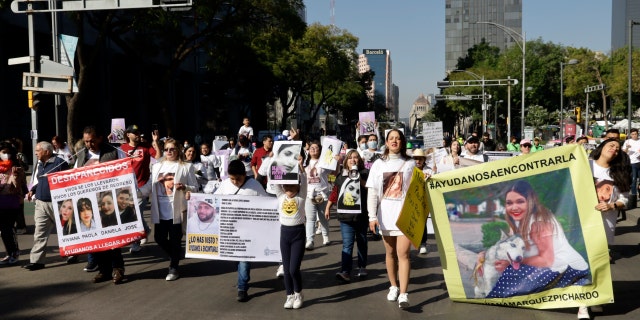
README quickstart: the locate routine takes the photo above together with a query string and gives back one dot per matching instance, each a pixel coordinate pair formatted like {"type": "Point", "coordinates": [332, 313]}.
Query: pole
{"type": "Point", "coordinates": [561, 104]}
{"type": "Point", "coordinates": [509, 112]}
{"type": "Point", "coordinates": [631, 23]}
{"type": "Point", "coordinates": [495, 120]}
{"type": "Point", "coordinates": [32, 69]}
{"type": "Point", "coordinates": [524, 87]}
{"type": "Point", "coordinates": [586, 117]}
{"type": "Point", "coordinates": [484, 108]}
{"type": "Point", "coordinates": [56, 58]}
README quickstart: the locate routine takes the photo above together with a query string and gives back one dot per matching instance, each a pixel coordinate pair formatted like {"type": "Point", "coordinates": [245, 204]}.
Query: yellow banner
{"type": "Point", "coordinates": [413, 217]}
{"type": "Point", "coordinates": [511, 232]}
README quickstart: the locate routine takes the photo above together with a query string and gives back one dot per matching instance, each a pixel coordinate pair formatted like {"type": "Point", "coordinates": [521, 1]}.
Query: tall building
{"type": "Point", "coordinates": [461, 32]}
{"type": "Point", "coordinates": [383, 92]}
{"type": "Point", "coordinates": [623, 11]}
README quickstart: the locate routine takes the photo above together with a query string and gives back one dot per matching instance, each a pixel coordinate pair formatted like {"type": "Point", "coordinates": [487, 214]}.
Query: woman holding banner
{"type": "Point", "coordinates": [384, 212]}
{"type": "Point", "coordinates": [348, 192]}
{"type": "Point", "coordinates": [171, 179]}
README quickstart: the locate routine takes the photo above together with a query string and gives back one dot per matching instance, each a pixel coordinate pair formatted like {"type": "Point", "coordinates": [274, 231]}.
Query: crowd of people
{"type": "Point", "coordinates": [370, 184]}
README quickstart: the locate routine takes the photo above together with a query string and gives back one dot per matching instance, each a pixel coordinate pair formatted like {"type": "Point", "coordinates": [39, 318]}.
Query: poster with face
{"type": "Point", "coordinates": [330, 151]}
{"type": "Point", "coordinates": [367, 122]}
{"type": "Point", "coordinates": [284, 167]}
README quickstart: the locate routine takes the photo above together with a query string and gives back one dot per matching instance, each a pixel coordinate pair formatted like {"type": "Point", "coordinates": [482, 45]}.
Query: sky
{"type": "Point", "coordinates": [413, 30]}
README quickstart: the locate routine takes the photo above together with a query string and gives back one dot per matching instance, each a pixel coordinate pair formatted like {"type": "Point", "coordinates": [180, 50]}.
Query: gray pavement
{"type": "Point", "coordinates": [207, 288]}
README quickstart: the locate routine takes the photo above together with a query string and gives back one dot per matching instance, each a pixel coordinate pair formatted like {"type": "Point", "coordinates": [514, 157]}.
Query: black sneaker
{"type": "Point", "coordinates": [72, 259]}
{"type": "Point", "coordinates": [242, 296]}
{"type": "Point", "coordinates": [34, 266]}
{"type": "Point", "coordinates": [91, 267]}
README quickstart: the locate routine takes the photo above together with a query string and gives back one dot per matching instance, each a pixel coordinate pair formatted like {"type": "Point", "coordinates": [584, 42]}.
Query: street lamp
{"type": "Point", "coordinates": [484, 98]}
{"type": "Point", "coordinates": [495, 121]}
{"type": "Point", "coordinates": [523, 47]}
{"type": "Point", "coordinates": [562, 64]}
{"type": "Point", "coordinates": [631, 24]}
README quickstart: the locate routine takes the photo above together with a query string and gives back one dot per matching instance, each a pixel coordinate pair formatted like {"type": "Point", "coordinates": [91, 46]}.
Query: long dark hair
{"type": "Point", "coordinates": [536, 211]}
{"type": "Point", "coordinates": [308, 159]}
{"type": "Point", "coordinates": [619, 167]}
{"type": "Point", "coordinates": [403, 145]}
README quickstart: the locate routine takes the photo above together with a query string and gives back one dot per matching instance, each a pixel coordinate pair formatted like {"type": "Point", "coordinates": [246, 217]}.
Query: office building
{"type": "Point", "coordinates": [623, 11]}
{"type": "Point", "coordinates": [383, 90]}
{"type": "Point", "coordinates": [461, 32]}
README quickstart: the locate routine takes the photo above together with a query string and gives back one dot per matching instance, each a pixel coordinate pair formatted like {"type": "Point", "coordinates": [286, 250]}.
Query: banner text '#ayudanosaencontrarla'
{"type": "Point", "coordinates": [501, 172]}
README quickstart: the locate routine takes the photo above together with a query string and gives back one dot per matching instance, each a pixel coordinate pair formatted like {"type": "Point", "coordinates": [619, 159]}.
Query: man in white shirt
{"type": "Point", "coordinates": [473, 151]}
{"type": "Point", "coordinates": [632, 148]}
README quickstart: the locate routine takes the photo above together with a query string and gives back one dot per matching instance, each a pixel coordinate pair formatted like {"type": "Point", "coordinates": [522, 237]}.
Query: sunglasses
{"type": "Point", "coordinates": [169, 149]}
{"type": "Point", "coordinates": [525, 146]}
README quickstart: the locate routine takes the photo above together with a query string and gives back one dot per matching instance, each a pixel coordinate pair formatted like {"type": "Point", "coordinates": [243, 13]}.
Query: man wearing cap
{"type": "Point", "coordinates": [140, 153]}
{"type": "Point", "coordinates": [205, 219]}
{"type": "Point", "coordinates": [473, 151]}
{"type": "Point", "coordinates": [525, 146]}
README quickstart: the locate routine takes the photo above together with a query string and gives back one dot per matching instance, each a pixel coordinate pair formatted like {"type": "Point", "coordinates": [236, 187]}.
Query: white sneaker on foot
{"type": "Point", "coordinates": [288, 304]}
{"type": "Point", "coordinates": [173, 275]}
{"type": "Point", "coordinates": [393, 293]}
{"type": "Point", "coordinates": [583, 313]}
{"type": "Point", "coordinates": [423, 248]}
{"type": "Point", "coordinates": [298, 298]}
{"type": "Point", "coordinates": [309, 245]}
{"type": "Point", "coordinates": [280, 272]}
{"type": "Point", "coordinates": [325, 240]}
{"type": "Point", "coordinates": [403, 300]}
{"type": "Point", "coordinates": [318, 231]}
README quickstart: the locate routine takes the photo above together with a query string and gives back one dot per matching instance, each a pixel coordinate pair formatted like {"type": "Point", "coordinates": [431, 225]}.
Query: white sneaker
{"type": "Point", "coordinates": [583, 313]}
{"type": "Point", "coordinates": [393, 293]}
{"type": "Point", "coordinates": [403, 300]}
{"type": "Point", "coordinates": [173, 275]}
{"type": "Point", "coordinates": [423, 248]}
{"type": "Point", "coordinates": [325, 240]}
{"type": "Point", "coordinates": [318, 231]}
{"type": "Point", "coordinates": [289, 303]}
{"type": "Point", "coordinates": [143, 240]}
{"type": "Point", "coordinates": [298, 298]}
{"type": "Point", "coordinates": [280, 273]}
{"type": "Point", "coordinates": [596, 309]}
{"type": "Point", "coordinates": [309, 245]}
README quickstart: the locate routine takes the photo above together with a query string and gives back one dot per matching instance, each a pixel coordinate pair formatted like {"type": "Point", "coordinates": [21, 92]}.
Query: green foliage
{"type": "Point", "coordinates": [492, 231]}
{"type": "Point", "coordinates": [537, 117]}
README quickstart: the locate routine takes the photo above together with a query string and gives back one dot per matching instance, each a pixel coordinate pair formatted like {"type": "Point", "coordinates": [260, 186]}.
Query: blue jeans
{"type": "Point", "coordinates": [635, 170]}
{"type": "Point", "coordinates": [354, 230]}
{"type": "Point", "coordinates": [244, 275]}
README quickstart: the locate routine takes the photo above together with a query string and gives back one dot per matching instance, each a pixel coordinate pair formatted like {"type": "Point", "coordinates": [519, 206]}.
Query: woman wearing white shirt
{"type": "Point", "coordinates": [171, 178]}
{"type": "Point", "coordinates": [384, 210]}
{"type": "Point", "coordinates": [318, 190]}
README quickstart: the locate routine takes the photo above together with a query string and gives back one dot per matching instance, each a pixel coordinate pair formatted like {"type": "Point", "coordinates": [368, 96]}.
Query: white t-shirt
{"type": "Point", "coordinates": [317, 180]}
{"type": "Point", "coordinates": [165, 187]}
{"type": "Point", "coordinates": [609, 217]}
{"type": "Point", "coordinates": [264, 171]}
{"type": "Point", "coordinates": [634, 150]}
{"type": "Point", "coordinates": [194, 225]}
{"type": "Point", "coordinates": [209, 163]}
{"type": "Point", "coordinates": [291, 211]}
{"type": "Point", "coordinates": [250, 188]}
{"type": "Point", "coordinates": [390, 179]}
{"type": "Point", "coordinates": [245, 131]}
{"type": "Point", "coordinates": [247, 160]}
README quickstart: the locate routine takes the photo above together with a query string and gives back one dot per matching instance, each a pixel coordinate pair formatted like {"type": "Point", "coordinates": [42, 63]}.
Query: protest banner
{"type": "Point", "coordinates": [367, 122]}
{"type": "Point", "coordinates": [413, 217]}
{"type": "Point", "coordinates": [118, 131]}
{"type": "Point", "coordinates": [433, 134]}
{"type": "Point", "coordinates": [94, 207]}
{"type": "Point", "coordinates": [284, 167]}
{"type": "Point", "coordinates": [514, 210]}
{"type": "Point", "coordinates": [232, 227]}
{"type": "Point", "coordinates": [499, 155]}
{"type": "Point", "coordinates": [331, 147]}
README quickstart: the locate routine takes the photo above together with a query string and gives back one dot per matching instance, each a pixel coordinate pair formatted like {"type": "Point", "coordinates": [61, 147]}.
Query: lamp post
{"type": "Point", "coordinates": [484, 98]}
{"type": "Point", "coordinates": [495, 117]}
{"type": "Point", "coordinates": [523, 47]}
{"type": "Point", "coordinates": [562, 64]}
{"type": "Point", "coordinates": [631, 24]}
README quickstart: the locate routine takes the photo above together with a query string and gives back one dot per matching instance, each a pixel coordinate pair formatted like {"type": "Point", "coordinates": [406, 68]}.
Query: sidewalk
{"type": "Point", "coordinates": [206, 288]}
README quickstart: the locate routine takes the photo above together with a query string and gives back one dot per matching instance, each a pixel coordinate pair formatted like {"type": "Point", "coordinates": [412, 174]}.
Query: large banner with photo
{"type": "Point", "coordinates": [95, 207]}
{"type": "Point", "coordinates": [513, 232]}
{"type": "Point", "coordinates": [233, 227]}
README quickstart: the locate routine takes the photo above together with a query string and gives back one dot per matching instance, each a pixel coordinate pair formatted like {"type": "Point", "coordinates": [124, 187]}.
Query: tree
{"type": "Point", "coordinates": [537, 117]}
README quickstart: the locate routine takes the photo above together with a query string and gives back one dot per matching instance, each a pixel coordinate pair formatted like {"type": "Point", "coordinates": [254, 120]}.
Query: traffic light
{"type": "Point", "coordinates": [34, 99]}
{"type": "Point", "coordinates": [577, 111]}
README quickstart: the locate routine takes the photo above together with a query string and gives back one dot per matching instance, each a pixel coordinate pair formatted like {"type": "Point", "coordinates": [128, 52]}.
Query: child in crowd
{"type": "Point", "coordinates": [291, 201]}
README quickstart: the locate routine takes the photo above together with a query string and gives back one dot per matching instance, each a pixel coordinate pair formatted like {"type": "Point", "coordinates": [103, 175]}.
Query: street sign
{"type": "Point", "coordinates": [21, 6]}
{"type": "Point", "coordinates": [19, 60]}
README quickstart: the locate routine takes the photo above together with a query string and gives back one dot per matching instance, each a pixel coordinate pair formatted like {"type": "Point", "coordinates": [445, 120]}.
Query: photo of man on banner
{"type": "Point", "coordinates": [519, 234]}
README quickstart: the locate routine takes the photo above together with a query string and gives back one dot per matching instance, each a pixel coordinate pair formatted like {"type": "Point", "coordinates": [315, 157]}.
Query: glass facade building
{"type": "Point", "coordinates": [621, 12]}
{"type": "Point", "coordinates": [379, 61]}
{"type": "Point", "coordinates": [461, 32]}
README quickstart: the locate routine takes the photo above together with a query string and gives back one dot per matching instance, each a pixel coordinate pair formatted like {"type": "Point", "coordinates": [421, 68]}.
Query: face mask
{"type": "Point", "coordinates": [372, 144]}
{"type": "Point", "coordinates": [4, 156]}
{"type": "Point", "coordinates": [363, 146]}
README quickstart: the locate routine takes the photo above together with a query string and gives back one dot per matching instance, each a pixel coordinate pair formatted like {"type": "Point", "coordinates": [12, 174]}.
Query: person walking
{"type": "Point", "coordinates": [388, 181]}
{"type": "Point", "coordinates": [13, 186]}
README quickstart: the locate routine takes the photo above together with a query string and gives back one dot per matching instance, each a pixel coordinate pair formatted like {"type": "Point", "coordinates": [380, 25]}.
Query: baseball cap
{"type": "Point", "coordinates": [525, 141]}
{"type": "Point", "coordinates": [472, 139]}
{"type": "Point", "coordinates": [132, 129]}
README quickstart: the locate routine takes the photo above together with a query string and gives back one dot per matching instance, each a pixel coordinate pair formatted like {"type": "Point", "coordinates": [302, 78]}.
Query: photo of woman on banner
{"type": "Point", "coordinates": [85, 211]}
{"type": "Point", "coordinates": [126, 207]}
{"type": "Point", "coordinates": [108, 216]}
{"type": "Point", "coordinates": [392, 185]}
{"type": "Point", "coordinates": [349, 195]}
{"type": "Point", "coordinates": [604, 189]}
{"type": "Point", "coordinates": [284, 166]}
{"type": "Point", "coordinates": [65, 207]}
{"type": "Point", "coordinates": [550, 261]}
